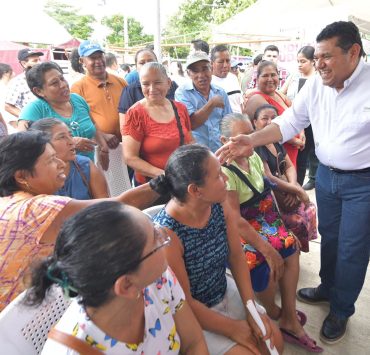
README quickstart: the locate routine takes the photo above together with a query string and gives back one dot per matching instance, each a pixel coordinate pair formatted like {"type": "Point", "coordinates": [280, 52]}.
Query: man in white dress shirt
{"type": "Point", "coordinates": [221, 76]}
{"type": "Point", "coordinates": [337, 105]}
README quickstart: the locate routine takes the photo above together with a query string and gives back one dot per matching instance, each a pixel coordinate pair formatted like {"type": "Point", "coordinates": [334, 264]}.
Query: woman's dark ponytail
{"type": "Point", "coordinates": [40, 282]}
{"type": "Point", "coordinates": [160, 185]}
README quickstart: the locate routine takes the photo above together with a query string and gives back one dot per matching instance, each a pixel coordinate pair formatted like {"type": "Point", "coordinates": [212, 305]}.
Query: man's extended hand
{"type": "Point", "coordinates": [239, 146]}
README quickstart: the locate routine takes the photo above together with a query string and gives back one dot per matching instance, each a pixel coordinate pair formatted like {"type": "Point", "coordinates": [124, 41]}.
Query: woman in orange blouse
{"type": "Point", "coordinates": [30, 216]}
{"type": "Point", "coordinates": [154, 126]}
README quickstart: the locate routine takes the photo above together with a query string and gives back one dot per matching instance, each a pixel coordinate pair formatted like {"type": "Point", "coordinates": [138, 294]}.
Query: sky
{"type": "Point", "coordinates": [141, 10]}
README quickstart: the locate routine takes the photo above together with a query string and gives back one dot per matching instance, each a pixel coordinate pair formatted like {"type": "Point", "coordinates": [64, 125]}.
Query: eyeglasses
{"type": "Point", "coordinates": [162, 239]}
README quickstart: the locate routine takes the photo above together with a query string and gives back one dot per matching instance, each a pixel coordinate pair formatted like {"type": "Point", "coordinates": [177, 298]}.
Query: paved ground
{"type": "Point", "coordinates": [357, 339]}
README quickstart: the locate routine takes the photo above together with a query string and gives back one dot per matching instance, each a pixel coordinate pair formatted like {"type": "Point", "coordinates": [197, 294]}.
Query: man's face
{"type": "Point", "coordinates": [271, 56]}
{"type": "Point", "coordinates": [334, 65]}
{"type": "Point", "coordinates": [221, 64]}
{"type": "Point", "coordinates": [201, 75]}
{"type": "Point", "coordinates": [95, 64]}
{"type": "Point", "coordinates": [31, 61]}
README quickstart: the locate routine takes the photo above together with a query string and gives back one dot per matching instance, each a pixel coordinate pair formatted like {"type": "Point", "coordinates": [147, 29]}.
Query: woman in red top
{"type": "Point", "coordinates": [268, 82]}
{"type": "Point", "coordinates": [154, 127]}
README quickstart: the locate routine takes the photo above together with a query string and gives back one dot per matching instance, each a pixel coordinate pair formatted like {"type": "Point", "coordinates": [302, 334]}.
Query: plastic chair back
{"type": "Point", "coordinates": [23, 329]}
{"type": "Point", "coordinates": [152, 211]}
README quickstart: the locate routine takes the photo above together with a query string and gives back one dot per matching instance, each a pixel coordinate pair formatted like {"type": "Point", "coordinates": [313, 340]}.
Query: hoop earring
{"type": "Point", "coordinates": [138, 295]}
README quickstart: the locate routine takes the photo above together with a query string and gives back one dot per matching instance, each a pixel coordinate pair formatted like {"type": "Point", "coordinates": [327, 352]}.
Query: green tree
{"type": "Point", "coordinates": [136, 36]}
{"type": "Point", "coordinates": [195, 18]}
{"type": "Point", "coordinates": [79, 26]}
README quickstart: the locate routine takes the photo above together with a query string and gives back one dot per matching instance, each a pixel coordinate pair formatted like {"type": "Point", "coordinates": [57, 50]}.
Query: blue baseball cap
{"type": "Point", "coordinates": [87, 48]}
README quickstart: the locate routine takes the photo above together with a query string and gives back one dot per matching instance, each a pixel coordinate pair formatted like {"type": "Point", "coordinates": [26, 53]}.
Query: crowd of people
{"type": "Point", "coordinates": [228, 160]}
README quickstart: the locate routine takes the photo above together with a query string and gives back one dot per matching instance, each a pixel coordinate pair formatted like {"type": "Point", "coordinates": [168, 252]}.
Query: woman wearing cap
{"type": "Point", "coordinates": [155, 126]}
{"type": "Point", "coordinates": [55, 100]}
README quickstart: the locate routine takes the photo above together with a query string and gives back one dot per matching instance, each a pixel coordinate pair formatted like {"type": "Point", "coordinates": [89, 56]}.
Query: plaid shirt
{"type": "Point", "coordinates": [19, 94]}
{"type": "Point", "coordinates": [24, 219]}
{"type": "Point", "coordinates": [283, 75]}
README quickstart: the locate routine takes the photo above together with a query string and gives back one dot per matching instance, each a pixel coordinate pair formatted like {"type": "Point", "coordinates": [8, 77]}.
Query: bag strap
{"type": "Point", "coordinates": [83, 177]}
{"type": "Point", "coordinates": [243, 178]}
{"type": "Point", "coordinates": [73, 343]}
{"type": "Point", "coordinates": [179, 126]}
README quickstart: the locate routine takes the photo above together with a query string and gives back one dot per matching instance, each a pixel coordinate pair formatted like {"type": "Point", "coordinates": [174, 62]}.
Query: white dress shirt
{"type": "Point", "coordinates": [340, 120]}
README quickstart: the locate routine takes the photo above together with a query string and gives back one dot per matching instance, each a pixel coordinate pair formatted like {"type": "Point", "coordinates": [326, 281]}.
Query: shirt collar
{"type": "Point", "coordinates": [98, 82]}
{"type": "Point", "coordinates": [355, 74]}
{"type": "Point", "coordinates": [190, 86]}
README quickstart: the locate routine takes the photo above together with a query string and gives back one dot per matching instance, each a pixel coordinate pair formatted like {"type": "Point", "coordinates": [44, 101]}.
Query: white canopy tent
{"type": "Point", "coordinates": [26, 22]}
{"type": "Point", "coordinates": [297, 20]}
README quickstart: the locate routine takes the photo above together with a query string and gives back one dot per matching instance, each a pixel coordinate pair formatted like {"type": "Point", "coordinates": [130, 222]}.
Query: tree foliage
{"type": "Point", "coordinates": [136, 35]}
{"type": "Point", "coordinates": [195, 18]}
{"type": "Point", "coordinates": [79, 26]}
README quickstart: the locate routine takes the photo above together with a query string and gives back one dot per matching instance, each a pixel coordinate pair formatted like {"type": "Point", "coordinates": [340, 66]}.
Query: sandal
{"type": "Point", "coordinates": [304, 341]}
{"type": "Point", "coordinates": [302, 318]}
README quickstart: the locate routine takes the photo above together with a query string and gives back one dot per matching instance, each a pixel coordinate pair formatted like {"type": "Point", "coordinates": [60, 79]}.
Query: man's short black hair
{"type": "Point", "coordinates": [110, 59]}
{"type": "Point", "coordinates": [217, 49]}
{"type": "Point", "coordinates": [200, 45]}
{"type": "Point", "coordinates": [271, 47]}
{"type": "Point", "coordinates": [257, 59]}
{"type": "Point", "coordinates": [347, 34]}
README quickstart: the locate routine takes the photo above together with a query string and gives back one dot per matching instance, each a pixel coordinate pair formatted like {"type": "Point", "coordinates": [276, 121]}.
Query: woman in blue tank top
{"type": "Point", "coordinates": [204, 238]}
{"type": "Point", "coordinates": [84, 180]}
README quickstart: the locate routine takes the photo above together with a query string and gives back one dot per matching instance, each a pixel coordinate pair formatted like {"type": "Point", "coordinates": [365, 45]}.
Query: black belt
{"type": "Point", "coordinates": [234, 92]}
{"type": "Point", "coordinates": [359, 171]}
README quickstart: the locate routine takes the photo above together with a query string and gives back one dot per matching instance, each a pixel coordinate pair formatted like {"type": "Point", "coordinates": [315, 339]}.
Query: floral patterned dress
{"type": "Point", "coordinates": [258, 207]}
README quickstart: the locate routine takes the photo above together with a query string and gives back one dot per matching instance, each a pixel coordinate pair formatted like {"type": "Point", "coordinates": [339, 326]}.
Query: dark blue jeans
{"type": "Point", "coordinates": [343, 202]}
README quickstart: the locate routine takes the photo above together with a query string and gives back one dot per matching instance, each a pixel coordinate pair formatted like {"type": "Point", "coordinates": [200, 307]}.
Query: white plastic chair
{"type": "Point", "coordinates": [117, 173]}
{"type": "Point", "coordinates": [24, 330]}
{"type": "Point", "coordinates": [152, 211]}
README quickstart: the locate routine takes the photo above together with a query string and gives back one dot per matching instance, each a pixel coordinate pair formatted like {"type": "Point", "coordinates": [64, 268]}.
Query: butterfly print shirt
{"type": "Point", "coordinates": [162, 300]}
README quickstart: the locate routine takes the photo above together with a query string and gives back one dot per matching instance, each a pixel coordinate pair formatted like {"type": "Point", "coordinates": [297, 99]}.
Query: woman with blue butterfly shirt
{"type": "Point", "coordinates": [127, 299]}
{"type": "Point", "coordinates": [270, 248]}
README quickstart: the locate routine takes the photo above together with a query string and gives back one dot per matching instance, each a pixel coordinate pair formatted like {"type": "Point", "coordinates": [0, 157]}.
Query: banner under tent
{"type": "Point", "coordinates": [289, 24]}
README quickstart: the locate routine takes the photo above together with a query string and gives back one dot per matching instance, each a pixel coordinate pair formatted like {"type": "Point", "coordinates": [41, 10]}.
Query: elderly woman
{"type": "Point", "coordinates": [134, 93]}
{"type": "Point", "coordinates": [155, 126]}
{"type": "Point", "coordinates": [204, 238]}
{"type": "Point", "coordinates": [128, 300]}
{"type": "Point", "coordinates": [47, 82]}
{"type": "Point", "coordinates": [31, 216]}
{"type": "Point", "coordinates": [249, 193]}
{"type": "Point", "coordinates": [301, 219]}
{"type": "Point", "coordinates": [268, 82]}
{"type": "Point", "coordinates": [84, 180]}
